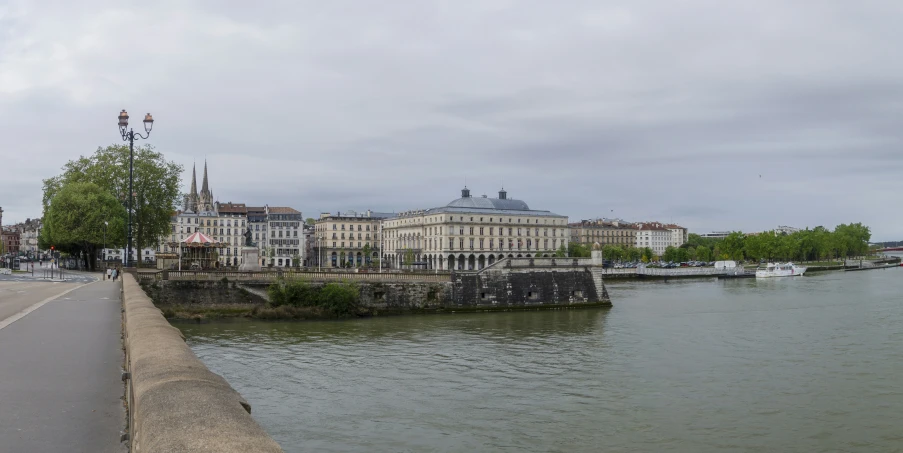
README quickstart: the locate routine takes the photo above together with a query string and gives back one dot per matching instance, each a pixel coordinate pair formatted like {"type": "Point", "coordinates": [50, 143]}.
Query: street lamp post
{"type": "Point", "coordinates": [129, 135]}
{"type": "Point", "coordinates": [104, 254]}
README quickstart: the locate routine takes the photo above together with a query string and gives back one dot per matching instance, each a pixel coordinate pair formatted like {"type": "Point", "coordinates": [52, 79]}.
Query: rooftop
{"type": "Point", "coordinates": [283, 210]}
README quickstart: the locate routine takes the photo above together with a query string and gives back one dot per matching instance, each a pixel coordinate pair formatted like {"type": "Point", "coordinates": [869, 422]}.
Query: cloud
{"type": "Point", "coordinates": [651, 110]}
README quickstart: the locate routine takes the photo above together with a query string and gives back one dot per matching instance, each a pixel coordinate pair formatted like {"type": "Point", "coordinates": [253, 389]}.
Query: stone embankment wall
{"type": "Point", "coordinates": [175, 403]}
{"type": "Point", "coordinates": [506, 289]}
{"type": "Point", "coordinates": [534, 287]}
{"type": "Point", "coordinates": [204, 293]}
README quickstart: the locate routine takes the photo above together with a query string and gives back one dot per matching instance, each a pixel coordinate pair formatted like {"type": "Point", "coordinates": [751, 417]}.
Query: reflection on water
{"type": "Point", "coordinates": [796, 364]}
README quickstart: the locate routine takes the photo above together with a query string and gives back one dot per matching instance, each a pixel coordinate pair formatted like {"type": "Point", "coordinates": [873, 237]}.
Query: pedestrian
{"type": "Point", "coordinates": [115, 271]}
{"type": "Point", "coordinates": [109, 273]}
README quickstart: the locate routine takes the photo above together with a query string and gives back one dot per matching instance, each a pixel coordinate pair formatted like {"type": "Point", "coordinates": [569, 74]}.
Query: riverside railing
{"type": "Point", "coordinates": [255, 276]}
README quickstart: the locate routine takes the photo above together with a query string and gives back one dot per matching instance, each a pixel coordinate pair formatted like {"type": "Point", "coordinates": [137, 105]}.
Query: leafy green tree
{"type": "Point", "coordinates": [74, 220]}
{"type": "Point", "coordinates": [408, 257]}
{"type": "Point", "coordinates": [648, 254]}
{"type": "Point", "coordinates": [155, 187]}
{"type": "Point", "coordinates": [310, 221]}
{"type": "Point", "coordinates": [633, 254]}
{"type": "Point", "coordinates": [733, 244]}
{"type": "Point", "coordinates": [561, 252]}
{"type": "Point", "coordinates": [703, 253]}
{"type": "Point", "coordinates": [576, 250]}
{"type": "Point", "coordinates": [670, 253]}
{"type": "Point", "coordinates": [613, 252]}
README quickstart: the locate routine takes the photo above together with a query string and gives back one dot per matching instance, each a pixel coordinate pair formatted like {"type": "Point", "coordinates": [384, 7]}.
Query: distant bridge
{"type": "Point", "coordinates": [892, 249]}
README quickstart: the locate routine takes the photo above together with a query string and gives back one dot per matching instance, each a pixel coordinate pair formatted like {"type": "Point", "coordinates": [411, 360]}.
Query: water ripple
{"type": "Point", "coordinates": [792, 365]}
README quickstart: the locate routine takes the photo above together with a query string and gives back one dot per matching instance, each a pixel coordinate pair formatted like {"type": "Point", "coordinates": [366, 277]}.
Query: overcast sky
{"type": "Point", "coordinates": [716, 115]}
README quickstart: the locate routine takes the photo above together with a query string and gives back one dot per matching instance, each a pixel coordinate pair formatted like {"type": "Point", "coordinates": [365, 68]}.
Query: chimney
{"type": "Point", "coordinates": [502, 194]}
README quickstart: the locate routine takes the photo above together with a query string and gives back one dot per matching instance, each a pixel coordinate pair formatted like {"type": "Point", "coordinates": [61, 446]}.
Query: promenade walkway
{"type": "Point", "coordinates": [60, 365]}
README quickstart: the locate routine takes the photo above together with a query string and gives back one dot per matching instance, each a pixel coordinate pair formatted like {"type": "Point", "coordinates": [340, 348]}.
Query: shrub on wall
{"type": "Point", "coordinates": [339, 299]}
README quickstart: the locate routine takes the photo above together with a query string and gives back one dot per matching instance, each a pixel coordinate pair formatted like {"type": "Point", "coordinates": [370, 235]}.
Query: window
{"type": "Point", "coordinates": [481, 230]}
{"type": "Point", "coordinates": [471, 231]}
{"type": "Point", "coordinates": [471, 243]}
{"type": "Point", "coordinates": [461, 243]}
{"type": "Point", "coordinates": [451, 244]}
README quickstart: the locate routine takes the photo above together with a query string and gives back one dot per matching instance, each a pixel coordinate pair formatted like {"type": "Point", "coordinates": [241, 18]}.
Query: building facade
{"type": "Point", "coordinates": [605, 232]}
{"type": "Point", "coordinates": [470, 233]}
{"type": "Point", "coordinates": [348, 239]}
{"type": "Point", "coordinates": [285, 246]}
{"type": "Point", "coordinates": [653, 235]}
{"type": "Point", "coordinates": [678, 235]}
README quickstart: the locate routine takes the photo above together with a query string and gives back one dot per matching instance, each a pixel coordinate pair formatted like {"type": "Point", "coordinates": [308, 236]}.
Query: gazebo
{"type": "Point", "coordinates": [199, 251]}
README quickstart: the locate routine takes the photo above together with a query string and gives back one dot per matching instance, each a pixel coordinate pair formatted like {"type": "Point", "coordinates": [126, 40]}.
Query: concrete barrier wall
{"type": "Point", "coordinates": [175, 403]}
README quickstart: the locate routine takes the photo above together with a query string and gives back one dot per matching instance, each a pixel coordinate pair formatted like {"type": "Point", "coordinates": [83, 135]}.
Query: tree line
{"type": "Point", "coordinates": [819, 243]}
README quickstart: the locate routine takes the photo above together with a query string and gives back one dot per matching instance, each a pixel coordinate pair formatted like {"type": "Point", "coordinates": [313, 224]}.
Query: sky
{"type": "Point", "coordinates": [714, 115]}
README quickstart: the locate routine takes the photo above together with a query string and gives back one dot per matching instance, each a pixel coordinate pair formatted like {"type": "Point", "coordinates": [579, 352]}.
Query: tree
{"type": "Point", "coordinates": [367, 251]}
{"type": "Point", "coordinates": [613, 252]}
{"type": "Point", "coordinates": [576, 250]}
{"type": "Point", "coordinates": [74, 220]}
{"type": "Point", "coordinates": [155, 187]}
{"type": "Point", "coordinates": [310, 221]}
{"type": "Point", "coordinates": [561, 252]}
{"type": "Point", "coordinates": [648, 254]}
{"type": "Point", "coordinates": [703, 253]}
{"type": "Point", "coordinates": [408, 257]}
{"type": "Point", "coordinates": [633, 254]}
{"type": "Point", "coordinates": [670, 254]}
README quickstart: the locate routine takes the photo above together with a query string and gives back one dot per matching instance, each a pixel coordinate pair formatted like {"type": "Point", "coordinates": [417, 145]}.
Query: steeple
{"type": "Point", "coordinates": [205, 188]}
{"type": "Point", "coordinates": [194, 182]}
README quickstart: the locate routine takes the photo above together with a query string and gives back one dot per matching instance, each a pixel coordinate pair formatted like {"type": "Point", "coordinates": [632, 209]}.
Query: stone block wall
{"type": "Point", "coordinates": [508, 287]}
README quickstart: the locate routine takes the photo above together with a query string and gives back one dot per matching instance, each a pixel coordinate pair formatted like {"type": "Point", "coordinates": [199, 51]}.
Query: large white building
{"type": "Point", "coordinates": [471, 233]}
{"type": "Point", "coordinates": [654, 236]}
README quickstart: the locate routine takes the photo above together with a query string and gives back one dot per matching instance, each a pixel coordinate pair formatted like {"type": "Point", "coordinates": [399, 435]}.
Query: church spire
{"type": "Point", "coordinates": [205, 188]}
{"type": "Point", "coordinates": [194, 182]}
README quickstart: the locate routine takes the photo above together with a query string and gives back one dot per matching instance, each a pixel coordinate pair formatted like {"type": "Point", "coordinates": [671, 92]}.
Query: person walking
{"type": "Point", "coordinates": [115, 274]}
{"type": "Point", "coordinates": [108, 274]}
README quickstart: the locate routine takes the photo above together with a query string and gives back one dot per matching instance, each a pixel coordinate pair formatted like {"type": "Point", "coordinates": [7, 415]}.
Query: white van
{"type": "Point", "coordinates": [725, 265]}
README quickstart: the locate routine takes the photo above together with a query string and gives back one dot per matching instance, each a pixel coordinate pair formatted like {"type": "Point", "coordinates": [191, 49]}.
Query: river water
{"type": "Point", "coordinates": [793, 365]}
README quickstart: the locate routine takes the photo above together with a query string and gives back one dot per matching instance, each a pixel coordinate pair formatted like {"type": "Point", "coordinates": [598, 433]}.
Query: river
{"type": "Point", "coordinates": [792, 365]}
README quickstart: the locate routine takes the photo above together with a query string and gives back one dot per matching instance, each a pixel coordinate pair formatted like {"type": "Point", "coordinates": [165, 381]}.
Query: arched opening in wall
{"type": "Point", "coordinates": [462, 262]}
{"type": "Point", "coordinates": [527, 255]}
{"type": "Point", "coordinates": [441, 266]}
{"type": "Point", "coordinates": [451, 262]}
{"type": "Point", "coordinates": [471, 262]}
{"type": "Point", "coordinates": [334, 258]}
{"type": "Point", "coordinates": [491, 259]}
{"type": "Point", "coordinates": [519, 255]}
{"type": "Point", "coordinates": [235, 261]}
{"type": "Point", "coordinates": [360, 259]}
{"type": "Point", "coordinates": [545, 255]}
{"type": "Point", "coordinates": [510, 256]}
{"type": "Point", "coordinates": [481, 262]}
{"type": "Point", "coordinates": [342, 259]}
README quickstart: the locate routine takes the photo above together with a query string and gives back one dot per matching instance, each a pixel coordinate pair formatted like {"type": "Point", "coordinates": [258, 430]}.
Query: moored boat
{"type": "Point", "coordinates": [780, 270]}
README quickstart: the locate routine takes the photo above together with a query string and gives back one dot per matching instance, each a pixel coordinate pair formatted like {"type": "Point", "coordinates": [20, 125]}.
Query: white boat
{"type": "Point", "coordinates": [780, 270]}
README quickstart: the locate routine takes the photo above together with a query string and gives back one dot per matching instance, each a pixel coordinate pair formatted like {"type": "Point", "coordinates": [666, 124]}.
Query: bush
{"type": "Point", "coordinates": [338, 299]}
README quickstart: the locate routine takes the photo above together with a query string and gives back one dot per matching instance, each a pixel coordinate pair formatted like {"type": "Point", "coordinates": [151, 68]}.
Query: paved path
{"type": "Point", "coordinates": [60, 365]}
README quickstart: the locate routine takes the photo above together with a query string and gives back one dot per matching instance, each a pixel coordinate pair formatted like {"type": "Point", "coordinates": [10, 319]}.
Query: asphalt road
{"type": "Point", "coordinates": [60, 365]}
